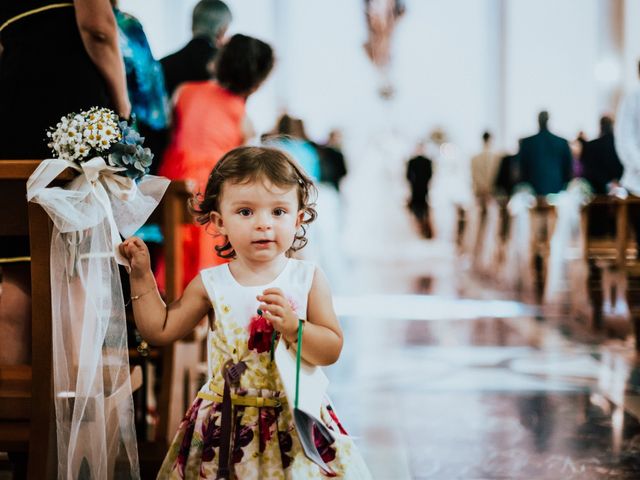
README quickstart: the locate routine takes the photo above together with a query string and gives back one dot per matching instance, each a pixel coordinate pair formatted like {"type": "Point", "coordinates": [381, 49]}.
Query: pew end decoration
{"type": "Point", "coordinates": [111, 197]}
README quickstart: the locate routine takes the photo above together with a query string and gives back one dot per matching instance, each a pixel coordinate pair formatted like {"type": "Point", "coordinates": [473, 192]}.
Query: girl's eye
{"type": "Point", "coordinates": [245, 212]}
{"type": "Point", "coordinates": [279, 212]}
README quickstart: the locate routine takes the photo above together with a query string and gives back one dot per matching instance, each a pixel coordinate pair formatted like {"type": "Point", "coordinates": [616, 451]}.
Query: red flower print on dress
{"type": "Point", "coordinates": [323, 446]}
{"type": "Point", "coordinates": [243, 437]}
{"type": "Point", "coordinates": [260, 331]}
{"type": "Point", "coordinates": [211, 434]}
{"type": "Point", "coordinates": [333, 415]}
{"type": "Point", "coordinates": [266, 423]}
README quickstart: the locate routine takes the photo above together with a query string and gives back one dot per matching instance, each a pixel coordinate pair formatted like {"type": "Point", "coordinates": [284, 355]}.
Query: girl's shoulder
{"type": "Point", "coordinates": [215, 277]}
{"type": "Point", "coordinates": [302, 272]}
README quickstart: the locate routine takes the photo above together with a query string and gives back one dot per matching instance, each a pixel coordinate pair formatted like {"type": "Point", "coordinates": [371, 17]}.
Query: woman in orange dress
{"type": "Point", "coordinates": [209, 120]}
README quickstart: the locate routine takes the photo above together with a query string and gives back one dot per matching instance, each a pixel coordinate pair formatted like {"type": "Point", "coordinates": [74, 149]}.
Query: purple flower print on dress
{"type": "Point", "coordinates": [286, 443]}
{"type": "Point", "coordinates": [188, 424]}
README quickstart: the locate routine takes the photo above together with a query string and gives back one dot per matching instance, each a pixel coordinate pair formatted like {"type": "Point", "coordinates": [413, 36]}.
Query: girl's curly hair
{"type": "Point", "coordinates": [250, 164]}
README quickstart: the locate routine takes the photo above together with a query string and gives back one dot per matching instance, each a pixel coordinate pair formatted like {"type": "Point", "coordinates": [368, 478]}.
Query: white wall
{"type": "Point", "coordinates": [466, 65]}
{"type": "Point", "coordinates": [550, 57]}
{"type": "Point", "coordinates": [631, 54]}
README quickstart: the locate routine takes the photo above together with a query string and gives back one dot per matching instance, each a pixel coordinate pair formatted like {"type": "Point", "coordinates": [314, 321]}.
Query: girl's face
{"type": "Point", "coordinates": [259, 218]}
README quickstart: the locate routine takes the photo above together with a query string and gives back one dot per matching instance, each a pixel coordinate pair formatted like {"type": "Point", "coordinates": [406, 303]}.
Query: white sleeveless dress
{"type": "Point", "coordinates": [264, 443]}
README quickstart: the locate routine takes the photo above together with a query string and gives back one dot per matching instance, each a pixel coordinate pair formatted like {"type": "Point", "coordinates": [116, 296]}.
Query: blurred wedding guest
{"type": "Point", "coordinates": [57, 58]}
{"type": "Point", "coordinates": [209, 120]}
{"type": "Point", "coordinates": [332, 163]}
{"type": "Point", "coordinates": [601, 166]}
{"type": "Point", "coordinates": [210, 20]}
{"type": "Point", "coordinates": [576, 146]}
{"type": "Point", "coordinates": [484, 168]}
{"type": "Point", "coordinates": [627, 139]}
{"type": "Point", "coordinates": [545, 159]}
{"type": "Point", "coordinates": [291, 136]}
{"type": "Point", "coordinates": [419, 172]}
{"type": "Point", "coordinates": [145, 84]}
{"type": "Point", "coordinates": [507, 176]}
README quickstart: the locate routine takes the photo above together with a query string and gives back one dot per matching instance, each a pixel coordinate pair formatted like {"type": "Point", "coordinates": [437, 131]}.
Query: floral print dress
{"type": "Point", "coordinates": [264, 443]}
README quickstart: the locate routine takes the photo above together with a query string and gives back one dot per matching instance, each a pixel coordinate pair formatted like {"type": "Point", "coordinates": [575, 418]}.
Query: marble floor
{"type": "Point", "coordinates": [442, 377]}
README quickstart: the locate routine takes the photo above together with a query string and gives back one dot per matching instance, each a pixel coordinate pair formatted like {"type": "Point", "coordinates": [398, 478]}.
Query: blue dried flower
{"type": "Point", "coordinates": [134, 158]}
{"type": "Point", "coordinates": [129, 135]}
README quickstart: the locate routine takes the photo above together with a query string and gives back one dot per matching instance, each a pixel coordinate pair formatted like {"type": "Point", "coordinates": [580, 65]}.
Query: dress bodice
{"type": "Point", "coordinates": [235, 307]}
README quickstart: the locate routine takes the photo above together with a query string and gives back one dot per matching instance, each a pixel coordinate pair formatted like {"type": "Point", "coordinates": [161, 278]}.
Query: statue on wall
{"type": "Point", "coordinates": [382, 16]}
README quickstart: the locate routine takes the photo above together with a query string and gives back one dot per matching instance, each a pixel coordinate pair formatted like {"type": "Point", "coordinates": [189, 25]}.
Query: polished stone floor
{"type": "Point", "coordinates": [444, 378]}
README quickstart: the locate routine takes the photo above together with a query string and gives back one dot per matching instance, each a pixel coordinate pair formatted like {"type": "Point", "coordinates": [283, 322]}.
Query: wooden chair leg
{"type": "Point", "coordinates": [42, 436]}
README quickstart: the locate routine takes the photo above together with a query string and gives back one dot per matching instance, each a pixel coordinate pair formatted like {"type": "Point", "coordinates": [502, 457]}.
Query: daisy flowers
{"type": "Point", "coordinates": [98, 132]}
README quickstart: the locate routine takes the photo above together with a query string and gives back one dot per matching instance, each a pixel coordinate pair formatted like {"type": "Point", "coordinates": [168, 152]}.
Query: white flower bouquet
{"type": "Point", "coordinates": [98, 132]}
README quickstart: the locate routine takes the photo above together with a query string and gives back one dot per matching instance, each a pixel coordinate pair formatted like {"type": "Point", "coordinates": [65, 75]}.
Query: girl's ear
{"type": "Point", "coordinates": [299, 218]}
{"type": "Point", "coordinates": [216, 220]}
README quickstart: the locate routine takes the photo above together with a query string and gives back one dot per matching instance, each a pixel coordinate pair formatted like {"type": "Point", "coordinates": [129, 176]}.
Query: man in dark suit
{"type": "Point", "coordinates": [545, 160]}
{"type": "Point", "coordinates": [211, 18]}
{"type": "Point", "coordinates": [419, 172]}
{"type": "Point", "coordinates": [600, 163]}
{"type": "Point", "coordinates": [602, 169]}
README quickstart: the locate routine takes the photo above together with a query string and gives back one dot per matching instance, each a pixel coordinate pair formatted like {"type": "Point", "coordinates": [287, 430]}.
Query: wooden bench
{"type": "Point", "coordinates": [171, 214]}
{"type": "Point", "coordinates": [616, 251]}
{"type": "Point", "coordinates": [26, 402]}
{"type": "Point", "coordinates": [27, 424]}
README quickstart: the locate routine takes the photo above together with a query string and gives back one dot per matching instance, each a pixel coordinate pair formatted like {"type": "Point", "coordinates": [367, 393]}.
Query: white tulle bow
{"type": "Point", "coordinates": [92, 391]}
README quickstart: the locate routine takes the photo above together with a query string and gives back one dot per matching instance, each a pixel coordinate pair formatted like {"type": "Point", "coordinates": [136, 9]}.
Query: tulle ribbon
{"type": "Point", "coordinates": [517, 272]}
{"type": "Point", "coordinates": [92, 391]}
{"type": "Point", "coordinates": [567, 246]}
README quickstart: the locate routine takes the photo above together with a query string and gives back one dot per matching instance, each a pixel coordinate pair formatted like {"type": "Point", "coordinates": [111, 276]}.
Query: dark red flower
{"type": "Point", "coordinates": [260, 331]}
{"type": "Point", "coordinates": [210, 439]}
{"type": "Point", "coordinates": [244, 435]}
{"type": "Point", "coordinates": [285, 441]}
{"type": "Point", "coordinates": [323, 446]}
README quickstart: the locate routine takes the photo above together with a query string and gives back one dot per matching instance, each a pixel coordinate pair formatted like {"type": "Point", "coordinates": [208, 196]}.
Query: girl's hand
{"type": "Point", "coordinates": [136, 251]}
{"type": "Point", "coordinates": [277, 310]}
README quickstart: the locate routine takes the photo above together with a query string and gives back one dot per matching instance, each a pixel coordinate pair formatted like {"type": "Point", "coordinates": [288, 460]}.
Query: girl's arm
{"type": "Point", "coordinates": [157, 323]}
{"type": "Point", "coordinates": [322, 336]}
{"type": "Point", "coordinates": [99, 33]}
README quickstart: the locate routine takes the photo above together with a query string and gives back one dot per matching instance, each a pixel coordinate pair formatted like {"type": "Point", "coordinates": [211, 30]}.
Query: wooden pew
{"type": "Point", "coordinates": [27, 424]}
{"type": "Point", "coordinates": [26, 402]}
{"type": "Point", "coordinates": [171, 213]}
{"type": "Point", "coordinates": [617, 252]}
{"type": "Point", "coordinates": [174, 213]}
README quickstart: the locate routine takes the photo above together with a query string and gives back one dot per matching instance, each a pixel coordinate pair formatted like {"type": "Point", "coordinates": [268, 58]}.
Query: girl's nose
{"type": "Point", "coordinates": [263, 222]}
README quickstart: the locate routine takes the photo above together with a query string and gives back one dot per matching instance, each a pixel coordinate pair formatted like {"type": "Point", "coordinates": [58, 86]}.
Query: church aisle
{"type": "Point", "coordinates": [438, 380]}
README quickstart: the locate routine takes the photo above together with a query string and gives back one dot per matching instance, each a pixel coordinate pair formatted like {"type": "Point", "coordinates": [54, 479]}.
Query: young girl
{"type": "Point", "coordinates": [240, 425]}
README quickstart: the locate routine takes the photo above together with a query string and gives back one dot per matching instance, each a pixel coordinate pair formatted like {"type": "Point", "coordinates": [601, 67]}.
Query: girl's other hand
{"type": "Point", "coordinates": [277, 310]}
{"type": "Point", "coordinates": [136, 251]}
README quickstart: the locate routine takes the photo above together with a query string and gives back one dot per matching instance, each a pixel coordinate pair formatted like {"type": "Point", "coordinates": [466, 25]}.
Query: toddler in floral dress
{"type": "Point", "coordinates": [240, 425]}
